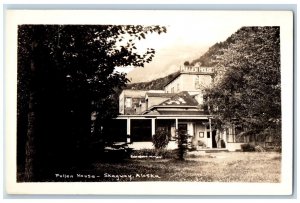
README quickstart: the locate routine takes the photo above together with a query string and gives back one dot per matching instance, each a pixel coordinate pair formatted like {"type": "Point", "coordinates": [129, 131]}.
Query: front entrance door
{"type": "Point", "coordinates": [214, 140]}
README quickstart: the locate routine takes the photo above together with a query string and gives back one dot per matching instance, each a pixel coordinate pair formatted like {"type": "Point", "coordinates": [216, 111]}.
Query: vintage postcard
{"type": "Point", "coordinates": [156, 102]}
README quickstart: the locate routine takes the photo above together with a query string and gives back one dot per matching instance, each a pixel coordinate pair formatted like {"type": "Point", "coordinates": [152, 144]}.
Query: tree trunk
{"type": "Point", "coordinates": [30, 143]}
{"type": "Point", "coordinates": [30, 147]}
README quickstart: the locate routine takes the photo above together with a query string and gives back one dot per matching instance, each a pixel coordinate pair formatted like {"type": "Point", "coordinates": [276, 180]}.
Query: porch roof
{"type": "Point", "coordinates": [186, 113]}
{"type": "Point", "coordinates": [162, 116]}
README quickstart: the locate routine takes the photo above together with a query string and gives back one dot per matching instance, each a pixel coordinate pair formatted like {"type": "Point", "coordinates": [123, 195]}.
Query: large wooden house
{"type": "Point", "coordinates": [178, 107]}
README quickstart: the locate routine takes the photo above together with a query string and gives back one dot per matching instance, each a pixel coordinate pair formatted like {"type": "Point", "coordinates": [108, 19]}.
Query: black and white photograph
{"type": "Point", "coordinates": [187, 97]}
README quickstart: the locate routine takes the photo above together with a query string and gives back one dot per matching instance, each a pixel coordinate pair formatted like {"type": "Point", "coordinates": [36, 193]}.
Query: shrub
{"type": "Point", "coordinates": [201, 143]}
{"type": "Point", "coordinates": [186, 63]}
{"type": "Point", "coordinates": [248, 147]}
{"type": "Point", "coordinates": [182, 141]}
{"type": "Point", "coordinates": [273, 149]}
{"type": "Point", "coordinates": [160, 139]}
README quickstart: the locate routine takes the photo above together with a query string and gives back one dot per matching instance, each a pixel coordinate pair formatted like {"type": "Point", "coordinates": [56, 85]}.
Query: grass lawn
{"type": "Point", "coordinates": [209, 167]}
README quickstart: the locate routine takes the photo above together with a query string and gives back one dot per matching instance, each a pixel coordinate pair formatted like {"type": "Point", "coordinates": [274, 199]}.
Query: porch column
{"type": "Point", "coordinates": [128, 130]}
{"type": "Point", "coordinates": [210, 132]}
{"type": "Point", "coordinates": [233, 132]}
{"type": "Point", "coordinates": [176, 127]}
{"type": "Point", "coordinates": [152, 126]}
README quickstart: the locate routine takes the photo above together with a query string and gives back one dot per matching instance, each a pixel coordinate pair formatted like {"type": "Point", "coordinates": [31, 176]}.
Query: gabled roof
{"type": "Point", "coordinates": [175, 76]}
{"type": "Point", "coordinates": [181, 99]}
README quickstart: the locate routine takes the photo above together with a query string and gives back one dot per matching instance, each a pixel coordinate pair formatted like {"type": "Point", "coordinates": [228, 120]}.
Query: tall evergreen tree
{"type": "Point", "coordinates": [66, 72]}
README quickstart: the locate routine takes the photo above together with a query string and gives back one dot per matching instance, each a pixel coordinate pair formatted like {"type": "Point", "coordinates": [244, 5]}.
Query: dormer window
{"type": "Point", "coordinates": [146, 104]}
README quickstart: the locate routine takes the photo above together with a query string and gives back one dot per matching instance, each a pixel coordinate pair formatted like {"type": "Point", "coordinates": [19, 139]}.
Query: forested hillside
{"type": "Point", "coordinates": [210, 58]}
{"type": "Point", "coordinates": [157, 84]}
{"type": "Point", "coordinates": [248, 90]}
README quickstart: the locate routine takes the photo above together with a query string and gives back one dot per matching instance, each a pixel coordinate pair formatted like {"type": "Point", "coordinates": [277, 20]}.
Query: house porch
{"type": "Point", "coordinates": [141, 128]}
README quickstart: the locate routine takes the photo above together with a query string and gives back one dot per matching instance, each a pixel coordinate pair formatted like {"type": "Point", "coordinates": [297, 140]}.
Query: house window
{"type": "Point", "coordinates": [128, 102]}
{"type": "Point", "coordinates": [177, 87]}
{"type": "Point", "coordinates": [172, 90]}
{"type": "Point", "coordinates": [147, 104]}
{"type": "Point", "coordinates": [140, 130]}
{"type": "Point", "coordinates": [121, 104]}
{"type": "Point", "coordinates": [208, 134]}
{"type": "Point", "coordinates": [197, 82]}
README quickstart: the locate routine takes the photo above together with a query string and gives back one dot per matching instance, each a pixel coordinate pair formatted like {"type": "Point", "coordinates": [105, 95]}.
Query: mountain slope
{"type": "Point", "coordinates": [157, 84]}
{"type": "Point", "coordinates": [210, 58]}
